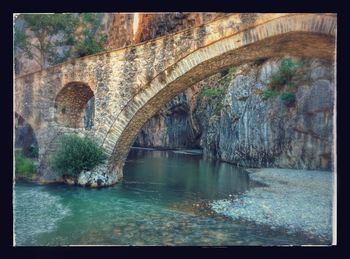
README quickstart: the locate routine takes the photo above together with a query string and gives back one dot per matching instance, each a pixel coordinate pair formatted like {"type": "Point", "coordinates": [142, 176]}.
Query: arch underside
{"type": "Point", "coordinates": [302, 44]}
{"type": "Point", "coordinates": [70, 104]}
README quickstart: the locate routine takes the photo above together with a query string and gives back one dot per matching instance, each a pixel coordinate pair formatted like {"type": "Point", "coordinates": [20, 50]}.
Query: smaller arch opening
{"type": "Point", "coordinates": [25, 138]}
{"type": "Point", "coordinates": [75, 106]}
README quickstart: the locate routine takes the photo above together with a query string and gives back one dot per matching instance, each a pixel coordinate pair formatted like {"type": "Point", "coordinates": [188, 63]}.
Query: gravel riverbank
{"type": "Point", "coordinates": [298, 200]}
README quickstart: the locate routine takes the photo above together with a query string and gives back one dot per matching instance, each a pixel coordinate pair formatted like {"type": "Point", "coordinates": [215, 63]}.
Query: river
{"type": "Point", "coordinates": [161, 201]}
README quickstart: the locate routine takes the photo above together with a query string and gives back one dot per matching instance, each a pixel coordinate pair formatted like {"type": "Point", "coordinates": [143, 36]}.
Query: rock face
{"type": "Point", "coordinates": [172, 127]}
{"type": "Point", "coordinates": [271, 133]}
{"type": "Point", "coordinates": [125, 29]}
{"type": "Point", "coordinates": [243, 128]}
{"type": "Point", "coordinates": [133, 28]}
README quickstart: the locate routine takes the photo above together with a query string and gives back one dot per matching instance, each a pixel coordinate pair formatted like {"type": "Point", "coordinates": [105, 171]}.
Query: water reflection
{"type": "Point", "coordinates": [187, 175]}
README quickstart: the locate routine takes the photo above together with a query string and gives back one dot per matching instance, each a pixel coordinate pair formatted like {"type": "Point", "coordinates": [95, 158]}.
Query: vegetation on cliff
{"type": "Point", "coordinates": [283, 77]}
{"type": "Point", "coordinates": [53, 38]}
{"type": "Point", "coordinates": [75, 154]}
{"type": "Point", "coordinates": [215, 93]}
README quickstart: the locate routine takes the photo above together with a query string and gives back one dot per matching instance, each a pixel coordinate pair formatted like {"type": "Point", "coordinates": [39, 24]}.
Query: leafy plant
{"type": "Point", "coordinates": [213, 92]}
{"type": "Point", "coordinates": [277, 82]}
{"type": "Point", "coordinates": [232, 70]}
{"type": "Point", "coordinates": [24, 166]}
{"type": "Point", "coordinates": [269, 93]}
{"type": "Point", "coordinates": [291, 85]}
{"type": "Point", "coordinates": [41, 34]}
{"type": "Point", "coordinates": [90, 44]}
{"type": "Point", "coordinates": [75, 154]}
{"type": "Point", "coordinates": [228, 71]}
{"type": "Point", "coordinates": [288, 98]}
{"type": "Point", "coordinates": [284, 75]}
{"type": "Point", "coordinates": [217, 92]}
{"type": "Point", "coordinates": [52, 38]}
{"type": "Point", "coordinates": [90, 41]}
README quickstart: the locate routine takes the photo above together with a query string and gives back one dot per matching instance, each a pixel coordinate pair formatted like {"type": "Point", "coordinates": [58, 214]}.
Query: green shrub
{"type": "Point", "coordinates": [269, 93]}
{"type": "Point", "coordinates": [277, 82]}
{"type": "Point", "coordinates": [75, 154]}
{"type": "Point", "coordinates": [283, 77]}
{"type": "Point", "coordinates": [291, 85]}
{"type": "Point", "coordinates": [285, 74]}
{"type": "Point", "coordinates": [23, 166]}
{"type": "Point", "coordinates": [288, 98]}
{"type": "Point", "coordinates": [232, 70]}
{"type": "Point", "coordinates": [213, 92]}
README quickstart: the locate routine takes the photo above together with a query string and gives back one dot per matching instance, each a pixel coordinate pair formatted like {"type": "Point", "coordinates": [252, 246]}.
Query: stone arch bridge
{"type": "Point", "coordinates": [131, 84]}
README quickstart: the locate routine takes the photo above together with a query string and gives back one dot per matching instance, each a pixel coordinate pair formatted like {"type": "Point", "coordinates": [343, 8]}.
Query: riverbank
{"type": "Point", "coordinates": [297, 200]}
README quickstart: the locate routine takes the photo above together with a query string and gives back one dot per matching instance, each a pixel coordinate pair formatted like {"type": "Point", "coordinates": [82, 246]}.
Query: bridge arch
{"type": "Point", "coordinates": [152, 73]}
{"type": "Point", "coordinates": [25, 137]}
{"type": "Point", "coordinates": [296, 35]}
{"type": "Point", "coordinates": [72, 103]}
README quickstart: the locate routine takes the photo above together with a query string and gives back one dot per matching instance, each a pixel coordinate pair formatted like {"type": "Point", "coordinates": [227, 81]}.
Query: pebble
{"type": "Point", "coordinates": [298, 200]}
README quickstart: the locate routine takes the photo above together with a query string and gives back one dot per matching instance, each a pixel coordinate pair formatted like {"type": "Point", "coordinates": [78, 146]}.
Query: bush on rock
{"type": "Point", "coordinates": [75, 154]}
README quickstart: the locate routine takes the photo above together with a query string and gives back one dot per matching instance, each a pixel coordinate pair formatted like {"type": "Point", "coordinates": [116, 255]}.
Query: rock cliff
{"type": "Point", "coordinates": [240, 126]}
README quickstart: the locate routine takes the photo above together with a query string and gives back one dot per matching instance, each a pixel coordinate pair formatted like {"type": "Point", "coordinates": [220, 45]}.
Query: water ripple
{"type": "Point", "coordinates": [41, 216]}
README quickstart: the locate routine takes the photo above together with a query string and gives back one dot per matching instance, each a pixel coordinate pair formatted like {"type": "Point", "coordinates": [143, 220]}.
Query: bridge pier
{"type": "Point", "coordinates": [100, 176]}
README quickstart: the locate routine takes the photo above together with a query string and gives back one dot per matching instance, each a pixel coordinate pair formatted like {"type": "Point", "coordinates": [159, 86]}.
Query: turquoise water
{"type": "Point", "coordinates": [159, 202]}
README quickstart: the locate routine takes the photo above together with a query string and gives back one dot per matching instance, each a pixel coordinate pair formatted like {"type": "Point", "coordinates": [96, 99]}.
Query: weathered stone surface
{"type": "Point", "coordinates": [98, 177]}
{"type": "Point", "coordinates": [317, 99]}
{"type": "Point", "coordinates": [264, 133]}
